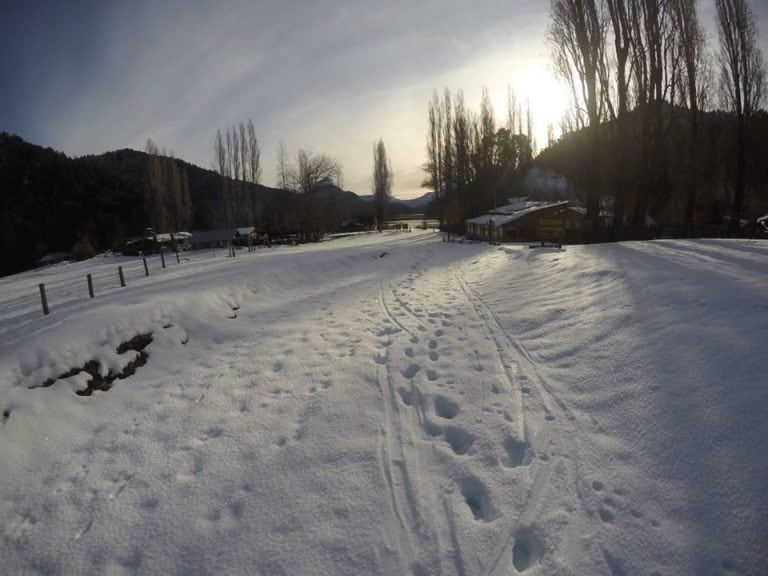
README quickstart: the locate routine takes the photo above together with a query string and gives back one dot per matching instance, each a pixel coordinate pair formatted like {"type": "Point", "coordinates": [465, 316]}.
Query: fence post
{"type": "Point", "coordinates": [46, 311]}
{"type": "Point", "coordinates": [146, 268]}
{"type": "Point", "coordinates": [90, 285]}
{"type": "Point", "coordinates": [178, 260]}
{"type": "Point", "coordinates": [162, 257]}
{"type": "Point", "coordinates": [122, 277]}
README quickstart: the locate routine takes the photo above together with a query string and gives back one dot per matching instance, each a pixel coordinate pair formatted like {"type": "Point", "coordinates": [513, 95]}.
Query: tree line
{"type": "Point", "coordinates": [169, 204]}
{"type": "Point", "coordinates": [312, 202]}
{"type": "Point", "coordinates": [474, 164]}
{"type": "Point", "coordinates": [644, 86]}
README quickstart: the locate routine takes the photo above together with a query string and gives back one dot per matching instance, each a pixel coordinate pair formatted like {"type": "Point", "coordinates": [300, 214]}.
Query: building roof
{"type": "Point", "coordinates": [177, 236]}
{"type": "Point", "coordinates": [54, 257]}
{"type": "Point", "coordinates": [206, 236]}
{"type": "Point", "coordinates": [499, 218]}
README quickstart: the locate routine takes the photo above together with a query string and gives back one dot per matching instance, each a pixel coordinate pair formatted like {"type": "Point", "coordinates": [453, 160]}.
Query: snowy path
{"type": "Point", "coordinates": [393, 404]}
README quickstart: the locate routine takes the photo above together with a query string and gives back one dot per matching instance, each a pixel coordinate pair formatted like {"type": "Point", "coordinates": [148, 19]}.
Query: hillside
{"type": "Point", "coordinates": [661, 181]}
{"type": "Point", "coordinates": [51, 203]}
{"type": "Point", "coordinates": [390, 404]}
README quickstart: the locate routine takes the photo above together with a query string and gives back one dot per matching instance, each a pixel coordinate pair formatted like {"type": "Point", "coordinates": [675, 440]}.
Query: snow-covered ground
{"type": "Point", "coordinates": [392, 404]}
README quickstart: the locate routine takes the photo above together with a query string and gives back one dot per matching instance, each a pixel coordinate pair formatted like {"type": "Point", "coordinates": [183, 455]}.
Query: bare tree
{"type": "Point", "coordinates": [622, 39]}
{"type": "Point", "coordinates": [382, 183]}
{"type": "Point", "coordinates": [577, 37]}
{"type": "Point", "coordinates": [169, 203]}
{"type": "Point", "coordinates": [655, 59]}
{"type": "Point", "coordinates": [310, 171]}
{"type": "Point", "coordinates": [693, 80]}
{"type": "Point", "coordinates": [254, 155]}
{"type": "Point", "coordinates": [434, 165]}
{"type": "Point", "coordinates": [742, 79]}
{"type": "Point", "coordinates": [283, 167]}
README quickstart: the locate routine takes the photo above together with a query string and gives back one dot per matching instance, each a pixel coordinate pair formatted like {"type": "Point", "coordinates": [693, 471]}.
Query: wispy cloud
{"type": "Point", "coordinates": [333, 75]}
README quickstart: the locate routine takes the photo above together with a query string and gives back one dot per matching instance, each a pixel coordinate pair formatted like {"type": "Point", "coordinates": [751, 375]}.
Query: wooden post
{"type": "Point", "coordinates": [178, 260]}
{"type": "Point", "coordinates": [162, 257]}
{"type": "Point", "coordinates": [146, 268]}
{"type": "Point", "coordinates": [122, 276]}
{"type": "Point", "coordinates": [46, 311]}
{"type": "Point", "coordinates": [90, 286]}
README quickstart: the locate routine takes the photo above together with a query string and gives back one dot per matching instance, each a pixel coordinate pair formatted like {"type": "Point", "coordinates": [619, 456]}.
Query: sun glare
{"type": "Point", "coordinates": [536, 85]}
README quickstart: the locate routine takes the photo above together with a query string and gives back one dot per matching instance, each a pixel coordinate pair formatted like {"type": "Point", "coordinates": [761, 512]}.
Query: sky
{"type": "Point", "coordinates": [330, 76]}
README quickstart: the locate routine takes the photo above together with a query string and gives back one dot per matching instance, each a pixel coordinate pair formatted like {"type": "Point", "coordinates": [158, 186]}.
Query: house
{"type": "Point", "coordinates": [170, 241]}
{"type": "Point", "coordinates": [221, 238]}
{"type": "Point", "coordinates": [520, 220]}
{"type": "Point", "coordinates": [141, 246]}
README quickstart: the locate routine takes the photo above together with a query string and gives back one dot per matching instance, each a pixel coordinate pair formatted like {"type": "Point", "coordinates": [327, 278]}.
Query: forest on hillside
{"type": "Point", "coordinates": [665, 124]}
{"type": "Point", "coordinates": [52, 203]}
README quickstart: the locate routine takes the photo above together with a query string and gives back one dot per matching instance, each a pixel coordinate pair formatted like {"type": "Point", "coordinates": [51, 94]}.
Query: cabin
{"type": "Point", "coordinates": [152, 244]}
{"type": "Point", "coordinates": [521, 220]}
{"type": "Point", "coordinates": [222, 238]}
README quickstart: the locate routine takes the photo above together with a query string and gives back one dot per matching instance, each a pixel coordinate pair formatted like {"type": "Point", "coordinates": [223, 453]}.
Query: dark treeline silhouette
{"type": "Point", "coordinates": [661, 124]}
{"type": "Point", "coordinates": [52, 203]}
{"type": "Point", "coordinates": [669, 203]}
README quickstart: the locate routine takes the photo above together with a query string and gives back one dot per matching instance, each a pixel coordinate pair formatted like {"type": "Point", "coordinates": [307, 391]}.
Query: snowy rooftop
{"type": "Point", "coordinates": [507, 214]}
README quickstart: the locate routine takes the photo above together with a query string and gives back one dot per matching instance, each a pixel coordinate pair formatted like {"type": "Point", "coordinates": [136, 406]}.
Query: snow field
{"type": "Point", "coordinates": [392, 404]}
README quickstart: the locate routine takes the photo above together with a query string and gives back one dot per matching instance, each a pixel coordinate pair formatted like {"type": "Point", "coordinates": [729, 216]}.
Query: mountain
{"type": "Point", "coordinates": [52, 203]}
{"type": "Point", "coordinates": [419, 203]}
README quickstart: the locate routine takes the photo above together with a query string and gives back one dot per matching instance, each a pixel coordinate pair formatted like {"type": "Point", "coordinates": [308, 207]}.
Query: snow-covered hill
{"type": "Point", "coordinates": [390, 404]}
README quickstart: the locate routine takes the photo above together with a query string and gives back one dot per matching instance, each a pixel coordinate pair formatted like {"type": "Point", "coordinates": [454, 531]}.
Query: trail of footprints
{"type": "Point", "coordinates": [445, 427]}
{"type": "Point", "coordinates": [441, 415]}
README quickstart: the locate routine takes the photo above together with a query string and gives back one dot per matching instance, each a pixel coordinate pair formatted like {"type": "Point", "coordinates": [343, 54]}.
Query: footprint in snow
{"type": "Point", "coordinates": [459, 440]}
{"type": "Point", "coordinates": [527, 549]}
{"type": "Point", "coordinates": [446, 408]}
{"type": "Point", "coordinates": [410, 371]}
{"type": "Point", "coordinates": [478, 499]}
{"type": "Point", "coordinates": [518, 453]}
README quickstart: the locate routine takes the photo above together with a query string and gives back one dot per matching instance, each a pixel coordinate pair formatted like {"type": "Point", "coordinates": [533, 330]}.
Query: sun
{"type": "Point", "coordinates": [547, 96]}
{"type": "Point", "coordinates": [535, 85]}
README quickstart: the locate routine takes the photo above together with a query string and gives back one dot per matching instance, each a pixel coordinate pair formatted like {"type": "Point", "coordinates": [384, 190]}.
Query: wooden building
{"type": "Point", "coordinates": [520, 221]}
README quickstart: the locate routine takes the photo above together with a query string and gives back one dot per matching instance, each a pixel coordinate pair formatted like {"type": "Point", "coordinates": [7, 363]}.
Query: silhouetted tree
{"type": "Point", "coordinates": [306, 176]}
{"type": "Point", "coordinates": [577, 37]}
{"type": "Point", "coordinates": [382, 183]}
{"type": "Point", "coordinates": [742, 78]}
